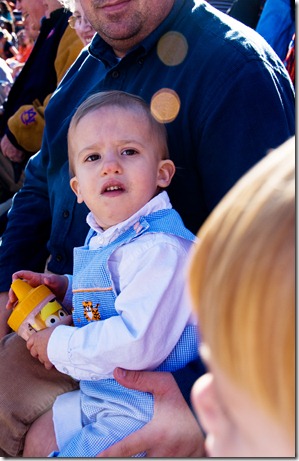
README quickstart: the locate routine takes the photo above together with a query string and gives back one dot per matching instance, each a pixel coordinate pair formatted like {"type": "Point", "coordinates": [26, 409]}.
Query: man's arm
{"type": "Point", "coordinates": [24, 241]}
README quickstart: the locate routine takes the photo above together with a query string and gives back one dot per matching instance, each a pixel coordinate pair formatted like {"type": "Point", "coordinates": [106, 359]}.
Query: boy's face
{"type": "Point", "coordinates": [117, 163]}
{"type": "Point", "coordinates": [236, 425]}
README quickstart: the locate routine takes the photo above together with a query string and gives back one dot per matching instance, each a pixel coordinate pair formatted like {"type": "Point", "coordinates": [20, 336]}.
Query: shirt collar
{"type": "Point", "coordinates": [159, 202]}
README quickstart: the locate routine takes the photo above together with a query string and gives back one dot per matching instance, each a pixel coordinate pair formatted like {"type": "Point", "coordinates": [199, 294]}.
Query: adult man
{"type": "Point", "coordinates": [226, 99]}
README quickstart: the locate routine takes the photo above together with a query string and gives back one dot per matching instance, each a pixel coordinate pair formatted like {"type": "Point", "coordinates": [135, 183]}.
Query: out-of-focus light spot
{"type": "Point", "coordinates": [165, 105]}
{"type": "Point", "coordinates": [172, 48]}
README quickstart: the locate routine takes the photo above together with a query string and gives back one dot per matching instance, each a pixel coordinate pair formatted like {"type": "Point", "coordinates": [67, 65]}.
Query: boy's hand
{"type": "Point", "coordinates": [56, 283]}
{"type": "Point", "coordinates": [37, 345]}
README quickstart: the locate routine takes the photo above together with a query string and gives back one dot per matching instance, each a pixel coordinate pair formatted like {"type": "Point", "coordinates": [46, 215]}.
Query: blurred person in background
{"type": "Point", "coordinates": [25, 46]}
{"type": "Point", "coordinates": [290, 60]}
{"type": "Point", "coordinates": [6, 12]}
{"type": "Point", "coordinates": [277, 25]}
{"type": "Point", "coordinates": [7, 47]}
{"type": "Point", "coordinates": [80, 23]}
{"type": "Point", "coordinates": [7, 19]}
{"type": "Point", "coordinates": [22, 124]}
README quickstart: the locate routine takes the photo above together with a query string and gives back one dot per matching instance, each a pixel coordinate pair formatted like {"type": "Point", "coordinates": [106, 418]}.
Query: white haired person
{"type": "Point", "coordinates": [78, 21]}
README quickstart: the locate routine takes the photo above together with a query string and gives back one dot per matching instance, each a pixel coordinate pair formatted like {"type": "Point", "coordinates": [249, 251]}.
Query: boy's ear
{"type": "Point", "coordinates": [76, 188]}
{"type": "Point", "coordinates": [166, 171]}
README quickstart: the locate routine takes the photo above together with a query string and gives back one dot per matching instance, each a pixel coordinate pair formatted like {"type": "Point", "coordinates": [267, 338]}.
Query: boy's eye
{"type": "Point", "coordinates": [92, 158]}
{"type": "Point", "coordinates": [129, 152]}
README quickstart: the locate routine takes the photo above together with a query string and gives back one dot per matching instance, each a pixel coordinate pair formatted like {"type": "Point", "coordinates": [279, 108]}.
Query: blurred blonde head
{"type": "Point", "coordinates": [242, 283]}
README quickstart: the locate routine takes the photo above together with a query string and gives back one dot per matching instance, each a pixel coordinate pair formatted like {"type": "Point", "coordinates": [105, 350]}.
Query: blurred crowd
{"type": "Point", "coordinates": [16, 42]}
{"type": "Point", "coordinates": [38, 44]}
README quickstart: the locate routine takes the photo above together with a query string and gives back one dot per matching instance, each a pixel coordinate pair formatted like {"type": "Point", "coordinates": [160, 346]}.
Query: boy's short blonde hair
{"type": "Point", "coordinates": [242, 282]}
{"type": "Point", "coordinates": [126, 101]}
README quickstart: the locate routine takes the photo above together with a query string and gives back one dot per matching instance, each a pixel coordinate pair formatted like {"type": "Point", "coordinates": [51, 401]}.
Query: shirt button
{"type": "Point", "coordinates": [65, 370]}
{"type": "Point", "coordinates": [66, 213]}
{"type": "Point", "coordinates": [115, 74]}
{"type": "Point", "coordinates": [94, 378]}
{"type": "Point", "coordinates": [59, 258]}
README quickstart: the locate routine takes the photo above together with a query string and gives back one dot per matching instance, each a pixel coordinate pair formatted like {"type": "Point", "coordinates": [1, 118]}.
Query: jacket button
{"type": "Point", "coordinates": [115, 74]}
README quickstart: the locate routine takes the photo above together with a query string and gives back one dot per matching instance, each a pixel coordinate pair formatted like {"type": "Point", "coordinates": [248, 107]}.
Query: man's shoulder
{"type": "Point", "coordinates": [218, 34]}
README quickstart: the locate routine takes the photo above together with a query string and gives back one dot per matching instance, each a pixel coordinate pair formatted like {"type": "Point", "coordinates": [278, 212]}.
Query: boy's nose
{"type": "Point", "coordinates": [111, 165]}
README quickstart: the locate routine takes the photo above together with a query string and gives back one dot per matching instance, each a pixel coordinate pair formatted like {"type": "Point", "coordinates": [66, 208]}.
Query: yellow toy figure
{"type": "Point", "coordinates": [37, 308]}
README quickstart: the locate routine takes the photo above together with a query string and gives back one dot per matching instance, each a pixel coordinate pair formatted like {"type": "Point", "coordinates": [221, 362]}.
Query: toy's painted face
{"type": "Point", "coordinates": [52, 313]}
{"type": "Point", "coordinates": [55, 318]}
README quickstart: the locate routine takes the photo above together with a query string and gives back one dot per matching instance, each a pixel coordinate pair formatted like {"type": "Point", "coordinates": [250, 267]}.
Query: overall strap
{"type": "Point", "coordinates": [167, 221]}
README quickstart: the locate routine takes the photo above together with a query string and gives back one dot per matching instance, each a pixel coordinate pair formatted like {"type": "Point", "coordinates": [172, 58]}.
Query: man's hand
{"type": "Point", "coordinates": [172, 433]}
{"type": "Point", "coordinates": [4, 314]}
{"type": "Point", "coordinates": [10, 151]}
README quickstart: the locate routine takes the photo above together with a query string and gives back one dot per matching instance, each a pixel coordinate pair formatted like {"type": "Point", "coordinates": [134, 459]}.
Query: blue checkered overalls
{"type": "Point", "coordinates": [109, 411]}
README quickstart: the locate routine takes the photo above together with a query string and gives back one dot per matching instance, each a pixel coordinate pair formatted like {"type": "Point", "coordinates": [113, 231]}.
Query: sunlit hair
{"type": "Point", "coordinates": [125, 101]}
{"type": "Point", "coordinates": [242, 283]}
{"type": "Point", "coordinates": [68, 4]}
